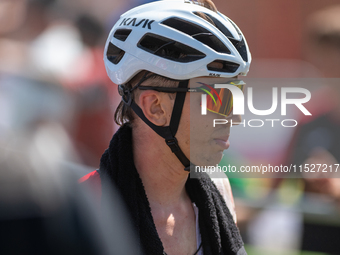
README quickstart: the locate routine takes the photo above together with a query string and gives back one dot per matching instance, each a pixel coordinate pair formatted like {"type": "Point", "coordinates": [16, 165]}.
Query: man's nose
{"type": "Point", "coordinates": [236, 119]}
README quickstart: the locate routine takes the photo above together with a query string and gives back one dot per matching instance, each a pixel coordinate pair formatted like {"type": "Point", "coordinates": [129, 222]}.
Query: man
{"type": "Point", "coordinates": [161, 54]}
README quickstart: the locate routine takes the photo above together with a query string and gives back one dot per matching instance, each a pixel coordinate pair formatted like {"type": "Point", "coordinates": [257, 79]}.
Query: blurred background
{"type": "Point", "coordinates": [53, 84]}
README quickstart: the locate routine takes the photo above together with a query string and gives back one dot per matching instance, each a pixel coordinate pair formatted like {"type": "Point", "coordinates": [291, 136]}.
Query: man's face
{"type": "Point", "coordinates": [199, 139]}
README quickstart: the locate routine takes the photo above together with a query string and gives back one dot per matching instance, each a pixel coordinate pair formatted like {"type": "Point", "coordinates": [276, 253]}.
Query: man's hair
{"type": "Point", "coordinates": [124, 114]}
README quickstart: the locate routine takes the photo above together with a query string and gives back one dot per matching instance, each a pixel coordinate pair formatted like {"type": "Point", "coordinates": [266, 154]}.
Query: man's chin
{"type": "Point", "coordinates": [213, 160]}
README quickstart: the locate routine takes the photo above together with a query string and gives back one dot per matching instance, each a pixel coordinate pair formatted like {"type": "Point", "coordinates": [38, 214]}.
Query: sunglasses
{"type": "Point", "coordinates": [219, 100]}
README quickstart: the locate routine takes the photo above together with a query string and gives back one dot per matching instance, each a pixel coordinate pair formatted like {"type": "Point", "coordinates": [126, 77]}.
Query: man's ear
{"type": "Point", "coordinates": [156, 107]}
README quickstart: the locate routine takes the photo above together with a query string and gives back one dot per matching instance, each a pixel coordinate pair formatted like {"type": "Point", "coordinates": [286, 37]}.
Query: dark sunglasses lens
{"type": "Point", "coordinates": [222, 103]}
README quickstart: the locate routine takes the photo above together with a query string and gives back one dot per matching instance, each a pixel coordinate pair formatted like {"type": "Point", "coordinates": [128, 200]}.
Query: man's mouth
{"type": "Point", "coordinates": [223, 142]}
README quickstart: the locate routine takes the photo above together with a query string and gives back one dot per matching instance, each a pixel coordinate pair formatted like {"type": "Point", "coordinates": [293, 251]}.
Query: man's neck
{"type": "Point", "coordinates": [162, 174]}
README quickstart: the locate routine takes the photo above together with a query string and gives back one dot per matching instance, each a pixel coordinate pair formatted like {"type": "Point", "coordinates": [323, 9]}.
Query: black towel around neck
{"type": "Point", "coordinates": [219, 233]}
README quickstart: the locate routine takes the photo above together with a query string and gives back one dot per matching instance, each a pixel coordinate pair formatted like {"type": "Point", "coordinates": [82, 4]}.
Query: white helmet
{"type": "Point", "coordinates": [169, 38]}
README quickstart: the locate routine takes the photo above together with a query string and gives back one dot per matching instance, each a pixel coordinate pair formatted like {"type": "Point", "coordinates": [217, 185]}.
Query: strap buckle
{"type": "Point", "coordinates": [173, 144]}
{"type": "Point", "coordinates": [126, 94]}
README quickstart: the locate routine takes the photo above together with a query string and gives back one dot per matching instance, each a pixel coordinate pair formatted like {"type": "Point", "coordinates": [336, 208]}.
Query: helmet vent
{"type": "Point", "coordinates": [239, 45]}
{"type": "Point", "coordinates": [238, 30]}
{"type": "Point", "coordinates": [114, 54]}
{"type": "Point", "coordinates": [169, 49]}
{"type": "Point", "coordinates": [122, 34]}
{"type": "Point", "coordinates": [241, 48]}
{"type": "Point", "coordinates": [217, 24]}
{"type": "Point", "coordinates": [223, 66]}
{"type": "Point", "coordinates": [199, 33]}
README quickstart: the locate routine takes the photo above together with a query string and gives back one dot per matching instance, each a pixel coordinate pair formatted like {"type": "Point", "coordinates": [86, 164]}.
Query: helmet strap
{"type": "Point", "coordinates": [169, 132]}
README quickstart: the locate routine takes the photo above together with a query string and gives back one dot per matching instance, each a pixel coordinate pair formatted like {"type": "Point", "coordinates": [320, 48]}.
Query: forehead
{"type": "Point", "coordinates": [196, 82]}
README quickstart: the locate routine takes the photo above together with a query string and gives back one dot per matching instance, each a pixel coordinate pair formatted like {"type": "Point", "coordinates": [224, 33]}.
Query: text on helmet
{"type": "Point", "coordinates": [133, 22]}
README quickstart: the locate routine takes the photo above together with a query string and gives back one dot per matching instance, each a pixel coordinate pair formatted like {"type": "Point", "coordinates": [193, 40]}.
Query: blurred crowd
{"type": "Point", "coordinates": [56, 120]}
{"type": "Point", "coordinates": [293, 214]}
{"type": "Point", "coordinates": [51, 71]}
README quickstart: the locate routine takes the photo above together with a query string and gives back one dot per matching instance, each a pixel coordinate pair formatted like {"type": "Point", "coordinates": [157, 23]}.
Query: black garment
{"type": "Point", "coordinates": [219, 233]}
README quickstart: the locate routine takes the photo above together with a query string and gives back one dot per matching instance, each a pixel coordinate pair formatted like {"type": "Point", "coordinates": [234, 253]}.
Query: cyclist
{"type": "Point", "coordinates": [158, 54]}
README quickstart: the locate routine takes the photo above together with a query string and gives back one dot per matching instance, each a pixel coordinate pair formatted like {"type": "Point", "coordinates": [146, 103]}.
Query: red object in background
{"type": "Point", "coordinates": [97, 99]}
{"type": "Point", "coordinates": [94, 183]}
{"type": "Point", "coordinates": [273, 29]}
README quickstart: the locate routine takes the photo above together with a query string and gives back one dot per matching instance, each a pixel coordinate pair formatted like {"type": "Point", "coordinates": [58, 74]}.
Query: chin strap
{"type": "Point", "coordinates": [169, 132]}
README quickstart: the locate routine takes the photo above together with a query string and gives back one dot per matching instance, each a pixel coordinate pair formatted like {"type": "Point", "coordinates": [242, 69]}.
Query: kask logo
{"type": "Point", "coordinates": [135, 23]}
